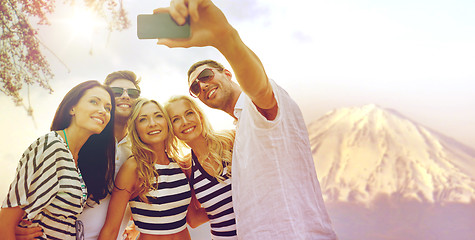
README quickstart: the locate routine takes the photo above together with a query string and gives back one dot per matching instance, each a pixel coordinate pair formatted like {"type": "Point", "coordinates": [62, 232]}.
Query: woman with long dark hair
{"type": "Point", "coordinates": [49, 188]}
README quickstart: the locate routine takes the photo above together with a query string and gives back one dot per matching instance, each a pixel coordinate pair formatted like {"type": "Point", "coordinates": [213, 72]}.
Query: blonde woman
{"type": "Point", "coordinates": [210, 163]}
{"type": "Point", "coordinates": [151, 181]}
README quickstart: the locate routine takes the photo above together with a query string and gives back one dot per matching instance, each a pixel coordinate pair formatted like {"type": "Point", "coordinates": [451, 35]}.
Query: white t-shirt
{"type": "Point", "coordinates": [276, 194]}
{"type": "Point", "coordinates": [94, 217]}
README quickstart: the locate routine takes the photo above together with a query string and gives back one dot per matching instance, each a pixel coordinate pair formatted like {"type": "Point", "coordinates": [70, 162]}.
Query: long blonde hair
{"type": "Point", "coordinates": [143, 154]}
{"type": "Point", "coordinates": [220, 144]}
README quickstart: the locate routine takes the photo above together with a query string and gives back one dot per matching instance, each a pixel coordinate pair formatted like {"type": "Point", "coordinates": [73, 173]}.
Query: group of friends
{"type": "Point", "coordinates": [113, 156]}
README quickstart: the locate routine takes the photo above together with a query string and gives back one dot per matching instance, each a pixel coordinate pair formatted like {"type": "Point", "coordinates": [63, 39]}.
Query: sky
{"type": "Point", "coordinates": [414, 56]}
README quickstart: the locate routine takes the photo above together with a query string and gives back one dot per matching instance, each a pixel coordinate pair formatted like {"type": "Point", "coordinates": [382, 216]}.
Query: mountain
{"type": "Point", "coordinates": [364, 153]}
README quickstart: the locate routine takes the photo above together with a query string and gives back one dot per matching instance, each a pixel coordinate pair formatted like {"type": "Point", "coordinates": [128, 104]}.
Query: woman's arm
{"type": "Point", "coordinates": [9, 219]}
{"type": "Point", "coordinates": [124, 186]}
{"type": "Point", "coordinates": [196, 215]}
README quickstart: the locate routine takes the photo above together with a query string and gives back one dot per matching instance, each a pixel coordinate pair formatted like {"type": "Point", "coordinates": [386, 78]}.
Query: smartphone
{"type": "Point", "coordinates": [160, 25]}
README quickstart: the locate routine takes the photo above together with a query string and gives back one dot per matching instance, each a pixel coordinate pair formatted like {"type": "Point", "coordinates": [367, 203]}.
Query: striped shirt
{"type": "Point", "coordinates": [47, 186]}
{"type": "Point", "coordinates": [216, 198]}
{"type": "Point", "coordinates": [166, 212]}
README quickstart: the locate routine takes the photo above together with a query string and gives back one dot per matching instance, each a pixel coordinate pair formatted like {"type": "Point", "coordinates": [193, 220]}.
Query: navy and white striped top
{"type": "Point", "coordinates": [216, 198]}
{"type": "Point", "coordinates": [47, 187]}
{"type": "Point", "coordinates": [166, 212]}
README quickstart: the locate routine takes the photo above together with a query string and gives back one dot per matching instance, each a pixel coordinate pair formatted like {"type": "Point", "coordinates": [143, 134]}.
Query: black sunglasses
{"type": "Point", "coordinates": [132, 92]}
{"type": "Point", "coordinates": [206, 75]}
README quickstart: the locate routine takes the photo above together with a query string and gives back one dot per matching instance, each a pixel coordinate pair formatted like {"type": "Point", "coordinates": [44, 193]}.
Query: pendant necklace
{"type": "Point", "coordinates": [83, 185]}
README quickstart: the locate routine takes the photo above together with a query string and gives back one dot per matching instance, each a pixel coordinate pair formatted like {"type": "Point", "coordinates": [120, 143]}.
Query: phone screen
{"type": "Point", "coordinates": [160, 25]}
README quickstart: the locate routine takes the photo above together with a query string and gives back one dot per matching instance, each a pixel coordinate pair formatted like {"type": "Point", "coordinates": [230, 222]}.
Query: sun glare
{"type": "Point", "coordinates": [83, 23]}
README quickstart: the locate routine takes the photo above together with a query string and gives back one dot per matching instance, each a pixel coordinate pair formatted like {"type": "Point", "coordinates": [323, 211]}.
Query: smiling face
{"type": "Point", "coordinates": [217, 92]}
{"type": "Point", "coordinates": [151, 124]}
{"type": "Point", "coordinates": [124, 102]}
{"type": "Point", "coordinates": [186, 121]}
{"type": "Point", "coordinates": [93, 110]}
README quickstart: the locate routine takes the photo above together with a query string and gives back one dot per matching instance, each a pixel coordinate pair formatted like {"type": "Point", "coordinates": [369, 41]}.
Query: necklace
{"type": "Point", "coordinates": [66, 138]}
{"type": "Point", "coordinates": [81, 180]}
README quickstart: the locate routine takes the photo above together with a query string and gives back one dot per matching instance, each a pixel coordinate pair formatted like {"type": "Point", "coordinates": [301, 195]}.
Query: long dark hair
{"type": "Point", "coordinates": [97, 156]}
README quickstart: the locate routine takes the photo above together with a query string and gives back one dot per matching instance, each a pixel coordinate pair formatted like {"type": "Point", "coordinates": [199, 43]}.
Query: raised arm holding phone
{"type": "Point", "coordinates": [275, 190]}
{"type": "Point", "coordinates": [210, 27]}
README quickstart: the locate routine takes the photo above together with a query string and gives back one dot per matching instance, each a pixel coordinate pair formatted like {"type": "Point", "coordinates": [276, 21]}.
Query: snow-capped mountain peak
{"type": "Point", "coordinates": [365, 152]}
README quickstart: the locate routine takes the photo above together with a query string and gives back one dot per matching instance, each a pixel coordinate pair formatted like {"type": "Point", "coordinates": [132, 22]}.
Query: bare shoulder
{"type": "Point", "coordinates": [185, 164]}
{"type": "Point", "coordinates": [130, 163]}
{"type": "Point", "coordinates": [128, 173]}
{"type": "Point", "coordinates": [187, 158]}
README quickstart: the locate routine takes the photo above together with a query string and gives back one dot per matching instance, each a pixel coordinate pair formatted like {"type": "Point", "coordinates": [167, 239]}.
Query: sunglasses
{"type": "Point", "coordinates": [205, 76]}
{"type": "Point", "coordinates": [132, 92]}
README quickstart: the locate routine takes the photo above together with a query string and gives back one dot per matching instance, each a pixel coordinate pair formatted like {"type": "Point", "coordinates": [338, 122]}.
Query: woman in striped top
{"type": "Point", "coordinates": [48, 189]}
{"type": "Point", "coordinates": [156, 188]}
{"type": "Point", "coordinates": [210, 173]}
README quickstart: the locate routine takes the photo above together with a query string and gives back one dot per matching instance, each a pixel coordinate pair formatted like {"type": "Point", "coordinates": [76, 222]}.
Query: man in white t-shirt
{"type": "Point", "coordinates": [276, 194]}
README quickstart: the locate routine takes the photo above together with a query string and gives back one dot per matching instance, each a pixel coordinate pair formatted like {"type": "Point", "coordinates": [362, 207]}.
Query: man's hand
{"type": "Point", "coordinates": [22, 233]}
{"type": "Point", "coordinates": [209, 26]}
